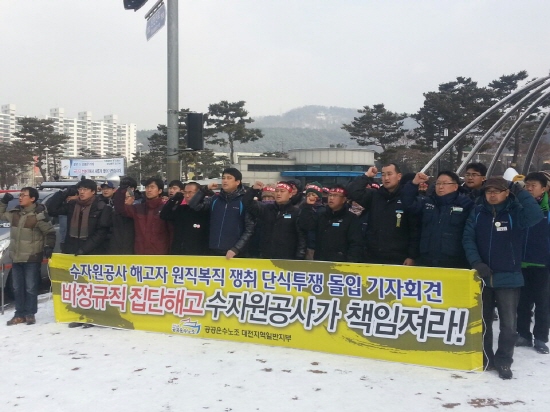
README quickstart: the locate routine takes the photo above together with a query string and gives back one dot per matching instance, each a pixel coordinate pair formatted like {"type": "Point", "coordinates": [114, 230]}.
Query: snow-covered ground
{"type": "Point", "coordinates": [49, 367]}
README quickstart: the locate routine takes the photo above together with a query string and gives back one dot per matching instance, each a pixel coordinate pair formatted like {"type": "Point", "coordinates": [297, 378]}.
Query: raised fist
{"type": "Point", "coordinates": [6, 198]}
{"type": "Point", "coordinates": [371, 172]}
{"type": "Point", "coordinates": [420, 178]}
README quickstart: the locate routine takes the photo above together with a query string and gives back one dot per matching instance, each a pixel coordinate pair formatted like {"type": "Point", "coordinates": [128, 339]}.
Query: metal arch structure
{"type": "Point", "coordinates": [513, 129]}
{"type": "Point", "coordinates": [535, 142]}
{"type": "Point", "coordinates": [535, 91]}
{"type": "Point", "coordinates": [497, 125]}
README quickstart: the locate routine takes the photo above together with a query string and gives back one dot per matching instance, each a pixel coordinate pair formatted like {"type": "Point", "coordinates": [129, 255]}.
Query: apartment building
{"type": "Point", "coordinates": [102, 136]}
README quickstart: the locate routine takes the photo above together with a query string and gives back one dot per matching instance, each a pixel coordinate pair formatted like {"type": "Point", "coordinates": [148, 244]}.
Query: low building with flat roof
{"type": "Point", "coordinates": [327, 166]}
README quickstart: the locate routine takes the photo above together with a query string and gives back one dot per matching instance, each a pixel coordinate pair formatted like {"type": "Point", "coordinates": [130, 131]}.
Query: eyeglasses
{"type": "Point", "coordinates": [22, 195]}
{"type": "Point", "coordinates": [494, 192]}
{"type": "Point", "coordinates": [472, 175]}
{"type": "Point", "coordinates": [445, 183]}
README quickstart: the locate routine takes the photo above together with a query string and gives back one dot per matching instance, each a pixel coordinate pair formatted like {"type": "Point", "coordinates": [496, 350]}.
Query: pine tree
{"type": "Point", "coordinates": [226, 125]}
{"type": "Point", "coordinates": [35, 138]}
{"type": "Point", "coordinates": [377, 126]}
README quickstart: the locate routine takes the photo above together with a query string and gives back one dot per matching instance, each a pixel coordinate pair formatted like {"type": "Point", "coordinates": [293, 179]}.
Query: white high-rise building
{"type": "Point", "coordinates": [104, 137]}
{"type": "Point", "coordinates": [7, 122]}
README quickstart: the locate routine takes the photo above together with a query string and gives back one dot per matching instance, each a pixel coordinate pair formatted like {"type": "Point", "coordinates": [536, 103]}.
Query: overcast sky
{"type": "Point", "coordinates": [274, 54]}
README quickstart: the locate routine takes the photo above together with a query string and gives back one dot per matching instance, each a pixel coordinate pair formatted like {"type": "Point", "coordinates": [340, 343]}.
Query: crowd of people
{"type": "Point", "coordinates": [499, 228]}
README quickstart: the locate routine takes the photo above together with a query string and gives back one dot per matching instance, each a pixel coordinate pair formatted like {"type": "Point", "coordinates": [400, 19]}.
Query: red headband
{"type": "Point", "coordinates": [285, 186]}
{"type": "Point", "coordinates": [314, 187]}
{"type": "Point", "coordinates": [268, 189]}
{"type": "Point", "coordinates": [338, 190]}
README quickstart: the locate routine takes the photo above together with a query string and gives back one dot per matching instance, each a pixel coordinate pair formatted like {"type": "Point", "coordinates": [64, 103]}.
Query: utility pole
{"type": "Point", "coordinates": [172, 155]}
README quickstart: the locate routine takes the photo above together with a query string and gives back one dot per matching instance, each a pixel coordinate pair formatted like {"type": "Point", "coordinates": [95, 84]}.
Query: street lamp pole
{"type": "Point", "coordinates": [445, 134]}
{"type": "Point", "coordinates": [47, 150]}
{"type": "Point", "coordinates": [139, 145]}
{"type": "Point", "coordinates": [437, 145]}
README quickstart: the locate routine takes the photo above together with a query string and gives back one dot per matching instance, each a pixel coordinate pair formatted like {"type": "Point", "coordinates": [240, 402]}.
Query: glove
{"type": "Point", "coordinates": [483, 270]}
{"type": "Point", "coordinates": [7, 197]}
{"type": "Point", "coordinates": [516, 187]}
{"type": "Point", "coordinates": [178, 196]}
{"type": "Point", "coordinates": [79, 252]}
{"type": "Point", "coordinates": [48, 252]}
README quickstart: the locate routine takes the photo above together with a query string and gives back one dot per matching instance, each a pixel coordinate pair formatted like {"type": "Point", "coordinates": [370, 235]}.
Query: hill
{"type": "Point", "coordinates": [305, 127]}
{"type": "Point", "coordinates": [309, 117]}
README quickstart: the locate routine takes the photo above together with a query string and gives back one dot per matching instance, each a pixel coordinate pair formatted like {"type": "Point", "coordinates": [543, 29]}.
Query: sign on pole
{"type": "Point", "coordinates": [156, 20]}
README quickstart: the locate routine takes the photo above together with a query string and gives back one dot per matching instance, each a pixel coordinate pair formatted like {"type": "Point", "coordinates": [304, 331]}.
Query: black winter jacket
{"type": "Point", "coordinates": [338, 236]}
{"type": "Point", "coordinates": [392, 233]}
{"type": "Point", "coordinates": [282, 237]}
{"type": "Point", "coordinates": [99, 223]}
{"type": "Point", "coordinates": [122, 235]}
{"type": "Point", "coordinates": [190, 228]}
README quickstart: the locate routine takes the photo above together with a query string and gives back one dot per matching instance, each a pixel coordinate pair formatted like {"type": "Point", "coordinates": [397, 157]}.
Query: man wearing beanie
{"type": "Point", "coordinates": [230, 225]}
{"type": "Point", "coordinates": [493, 242]}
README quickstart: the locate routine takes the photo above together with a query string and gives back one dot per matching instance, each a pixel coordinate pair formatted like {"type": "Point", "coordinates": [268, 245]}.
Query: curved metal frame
{"type": "Point", "coordinates": [489, 111]}
{"type": "Point", "coordinates": [499, 123]}
{"type": "Point", "coordinates": [535, 143]}
{"type": "Point", "coordinates": [513, 129]}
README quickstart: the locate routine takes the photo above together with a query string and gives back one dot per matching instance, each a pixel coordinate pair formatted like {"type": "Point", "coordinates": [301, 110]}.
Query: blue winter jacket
{"type": "Point", "coordinates": [230, 226]}
{"type": "Point", "coordinates": [494, 235]}
{"type": "Point", "coordinates": [442, 224]}
{"type": "Point", "coordinates": [536, 246]}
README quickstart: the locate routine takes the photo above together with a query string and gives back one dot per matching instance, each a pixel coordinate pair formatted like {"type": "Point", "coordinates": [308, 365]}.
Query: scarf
{"type": "Point", "coordinates": [79, 221]}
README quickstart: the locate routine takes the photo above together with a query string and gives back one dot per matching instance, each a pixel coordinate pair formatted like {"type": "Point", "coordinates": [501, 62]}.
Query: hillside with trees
{"type": "Point", "coordinates": [301, 128]}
